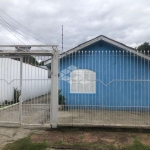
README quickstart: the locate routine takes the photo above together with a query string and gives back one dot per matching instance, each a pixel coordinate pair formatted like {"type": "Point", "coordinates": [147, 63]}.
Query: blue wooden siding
{"type": "Point", "coordinates": [121, 78]}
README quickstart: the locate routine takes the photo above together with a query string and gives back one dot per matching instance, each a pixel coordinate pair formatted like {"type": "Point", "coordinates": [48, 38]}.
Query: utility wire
{"type": "Point", "coordinates": [26, 29]}
{"type": "Point", "coordinates": [15, 29]}
{"type": "Point", "coordinates": [7, 37]}
{"type": "Point", "coordinates": [12, 33]}
{"type": "Point", "coordinates": [10, 28]}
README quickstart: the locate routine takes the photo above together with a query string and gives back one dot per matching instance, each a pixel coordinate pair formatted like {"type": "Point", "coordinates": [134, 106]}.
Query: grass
{"type": "Point", "coordinates": [2, 106]}
{"type": "Point", "coordinates": [137, 145]}
{"type": "Point", "coordinates": [26, 144]}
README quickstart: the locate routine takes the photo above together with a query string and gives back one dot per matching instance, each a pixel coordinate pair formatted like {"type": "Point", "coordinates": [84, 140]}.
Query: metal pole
{"type": "Point", "coordinates": [54, 90]}
{"type": "Point", "coordinates": [20, 97]}
{"type": "Point", "coordinates": [62, 38]}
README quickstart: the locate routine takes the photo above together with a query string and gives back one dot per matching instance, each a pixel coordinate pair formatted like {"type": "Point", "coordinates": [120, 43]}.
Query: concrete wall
{"type": "Point", "coordinates": [35, 80]}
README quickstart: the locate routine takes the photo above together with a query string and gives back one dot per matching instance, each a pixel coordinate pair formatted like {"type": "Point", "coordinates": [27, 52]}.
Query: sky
{"type": "Point", "coordinates": [126, 21]}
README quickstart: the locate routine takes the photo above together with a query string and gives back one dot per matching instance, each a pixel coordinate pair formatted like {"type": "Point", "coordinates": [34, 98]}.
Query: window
{"type": "Point", "coordinates": [82, 81]}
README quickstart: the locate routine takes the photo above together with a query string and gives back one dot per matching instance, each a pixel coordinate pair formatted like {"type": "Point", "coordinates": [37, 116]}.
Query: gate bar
{"type": "Point", "coordinates": [20, 97]}
{"type": "Point", "coordinates": [24, 53]}
{"type": "Point", "coordinates": [28, 45]}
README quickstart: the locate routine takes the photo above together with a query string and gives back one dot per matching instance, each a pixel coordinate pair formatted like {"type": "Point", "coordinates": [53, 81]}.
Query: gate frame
{"type": "Point", "coordinates": [54, 74]}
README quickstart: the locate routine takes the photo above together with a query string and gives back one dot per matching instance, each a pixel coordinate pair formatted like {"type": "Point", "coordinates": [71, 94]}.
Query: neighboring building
{"type": "Point", "coordinates": [103, 73]}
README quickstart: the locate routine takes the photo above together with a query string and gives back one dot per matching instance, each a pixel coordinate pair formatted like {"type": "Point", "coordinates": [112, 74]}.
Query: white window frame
{"type": "Point", "coordinates": [78, 77]}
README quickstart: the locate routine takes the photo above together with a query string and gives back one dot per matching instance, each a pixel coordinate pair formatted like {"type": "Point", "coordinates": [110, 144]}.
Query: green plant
{"type": "Point", "coordinates": [61, 98]}
{"type": "Point", "coordinates": [7, 102]}
{"type": "Point", "coordinates": [16, 95]}
{"type": "Point", "coordinates": [26, 144]}
{"type": "Point", "coordinates": [137, 145]}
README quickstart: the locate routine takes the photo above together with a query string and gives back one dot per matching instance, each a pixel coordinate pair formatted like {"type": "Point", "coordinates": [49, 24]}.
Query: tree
{"type": "Point", "coordinates": [29, 60]}
{"type": "Point", "coordinates": [61, 98]}
{"type": "Point", "coordinates": [144, 47]}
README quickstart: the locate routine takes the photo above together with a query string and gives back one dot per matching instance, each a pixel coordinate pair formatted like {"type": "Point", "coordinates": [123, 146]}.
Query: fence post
{"type": "Point", "coordinates": [54, 90]}
{"type": "Point", "coordinates": [20, 96]}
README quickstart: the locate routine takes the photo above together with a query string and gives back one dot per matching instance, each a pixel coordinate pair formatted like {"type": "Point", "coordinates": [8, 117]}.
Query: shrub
{"type": "Point", "coordinates": [61, 98]}
{"type": "Point", "coordinates": [16, 95]}
{"type": "Point", "coordinates": [16, 98]}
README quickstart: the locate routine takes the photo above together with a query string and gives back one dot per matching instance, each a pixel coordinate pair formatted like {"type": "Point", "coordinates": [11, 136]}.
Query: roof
{"type": "Point", "coordinates": [99, 38]}
{"type": "Point", "coordinates": [43, 67]}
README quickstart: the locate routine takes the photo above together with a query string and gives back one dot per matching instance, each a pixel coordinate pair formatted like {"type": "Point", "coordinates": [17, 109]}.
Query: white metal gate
{"type": "Point", "coordinates": [29, 95]}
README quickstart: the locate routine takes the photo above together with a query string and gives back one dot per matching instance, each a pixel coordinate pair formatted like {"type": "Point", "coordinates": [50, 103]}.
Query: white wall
{"type": "Point", "coordinates": [35, 80]}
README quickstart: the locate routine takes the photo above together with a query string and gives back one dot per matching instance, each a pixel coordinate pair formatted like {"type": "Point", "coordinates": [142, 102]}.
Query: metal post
{"type": "Point", "coordinates": [20, 97]}
{"type": "Point", "coordinates": [54, 90]}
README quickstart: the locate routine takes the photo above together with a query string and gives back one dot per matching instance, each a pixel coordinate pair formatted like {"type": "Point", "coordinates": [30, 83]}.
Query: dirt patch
{"type": "Point", "coordinates": [107, 137]}
{"type": "Point", "coordinates": [51, 137]}
{"type": "Point", "coordinates": [124, 139]}
{"type": "Point", "coordinates": [145, 142]}
{"type": "Point", "coordinates": [73, 137]}
{"type": "Point", "coordinates": [108, 140]}
{"type": "Point", "coordinates": [90, 137]}
{"type": "Point", "coordinates": [144, 138]}
{"type": "Point", "coordinates": [142, 135]}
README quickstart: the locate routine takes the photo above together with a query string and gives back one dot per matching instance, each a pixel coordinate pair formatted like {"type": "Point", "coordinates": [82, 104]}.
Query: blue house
{"type": "Point", "coordinates": [103, 73]}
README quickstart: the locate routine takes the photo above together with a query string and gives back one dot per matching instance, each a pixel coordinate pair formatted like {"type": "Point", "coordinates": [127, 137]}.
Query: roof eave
{"type": "Point", "coordinates": [99, 38]}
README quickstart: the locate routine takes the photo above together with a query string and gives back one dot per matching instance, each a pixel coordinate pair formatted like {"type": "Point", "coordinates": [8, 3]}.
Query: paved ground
{"type": "Point", "coordinates": [8, 135]}
{"type": "Point", "coordinates": [37, 111]}
{"type": "Point", "coordinates": [104, 117]}
{"type": "Point", "coordinates": [40, 114]}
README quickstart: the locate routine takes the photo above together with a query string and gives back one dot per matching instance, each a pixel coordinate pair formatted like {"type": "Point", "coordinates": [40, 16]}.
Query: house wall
{"type": "Point", "coordinates": [122, 79]}
{"type": "Point", "coordinates": [35, 80]}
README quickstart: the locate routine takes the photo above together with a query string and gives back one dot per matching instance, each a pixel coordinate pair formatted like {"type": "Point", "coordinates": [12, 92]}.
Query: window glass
{"type": "Point", "coordinates": [82, 81]}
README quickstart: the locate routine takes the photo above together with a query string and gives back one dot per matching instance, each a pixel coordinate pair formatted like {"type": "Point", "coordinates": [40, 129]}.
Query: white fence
{"type": "Point", "coordinates": [97, 88]}
{"type": "Point", "coordinates": [105, 88]}
{"type": "Point", "coordinates": [35, 80]}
